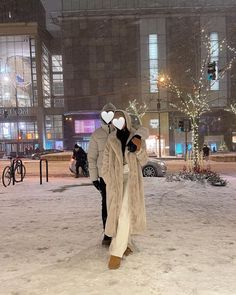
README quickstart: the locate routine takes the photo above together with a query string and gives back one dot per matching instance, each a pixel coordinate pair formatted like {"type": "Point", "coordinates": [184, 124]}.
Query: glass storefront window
{"type": "Point", "coordinates": [53, 125]}
{"type": "Point", "coordinates": [57, 78]}
{"type": "Point", "coordinates": [54, 144]}
{"type": "Point", "coordinates": [34, 71]}
{"type": "Point", "coordinates": [26, 130]}
{"type": "Point", "coordinates": [15, 71]}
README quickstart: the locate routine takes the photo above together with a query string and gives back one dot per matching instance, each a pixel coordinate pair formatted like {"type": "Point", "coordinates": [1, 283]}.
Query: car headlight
{"type": "Point", "coordinates": [162, 164]}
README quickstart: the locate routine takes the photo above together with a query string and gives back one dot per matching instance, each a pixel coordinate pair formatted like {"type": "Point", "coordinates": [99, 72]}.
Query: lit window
{"type": "Point", "coordinates": [53, 126]}
{"type": "Point", "coordinates": [57, 75]}
{"type": "Point", "coordinates": [46, 77]}
{"type": "Point", "coordinates": [15, 72]}
{"type": "Point", "coordinates": [12, 130]}
{"type": "Point", "coordinates": [153, 62]}
{"type": "Point", "coordinates": [214, 39]}
{"type": "Point", "coordinates": [86, 126]}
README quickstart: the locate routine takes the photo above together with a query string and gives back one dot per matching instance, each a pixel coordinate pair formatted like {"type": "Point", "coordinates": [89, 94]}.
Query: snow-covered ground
{"type": "Point", "coordinates": [51, 241]}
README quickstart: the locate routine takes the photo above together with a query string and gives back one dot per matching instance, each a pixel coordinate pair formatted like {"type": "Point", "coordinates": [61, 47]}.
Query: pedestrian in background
{"type": "Point", "coordinates": [206, 152]}
{"type": "Point", "coordinates": [81, 157]}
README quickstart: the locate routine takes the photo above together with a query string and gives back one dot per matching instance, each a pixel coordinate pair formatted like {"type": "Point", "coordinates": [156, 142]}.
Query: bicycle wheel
{"type": "Point", "coordinates": [18, 176]}
{"type": "Point", "coordinates": [6, 176]}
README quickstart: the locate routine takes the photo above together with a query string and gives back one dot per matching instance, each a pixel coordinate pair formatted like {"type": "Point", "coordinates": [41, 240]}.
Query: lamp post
{"type": "Point", "coordinates": [159, 122]}
{"type": "Point", "coordinates": [17, 123]}
{"type": "Point", "coordinates": [160, 80]}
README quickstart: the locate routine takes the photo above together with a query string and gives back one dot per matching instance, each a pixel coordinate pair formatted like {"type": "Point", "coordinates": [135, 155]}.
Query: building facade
{"type": "Point", "coordinates": [31, 83]}
{"type": "Point", "coordinates": [113, 51]}
{"type": "Point", "coordinates": [53, 86]}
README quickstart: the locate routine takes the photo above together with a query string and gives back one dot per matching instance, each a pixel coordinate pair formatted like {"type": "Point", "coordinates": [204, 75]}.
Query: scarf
{"type": "Point", "coordinates": [123, 136]}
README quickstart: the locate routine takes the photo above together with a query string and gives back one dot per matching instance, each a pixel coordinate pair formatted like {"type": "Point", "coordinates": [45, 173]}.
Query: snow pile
{"type": "Point", "coordinates": [51, 241]}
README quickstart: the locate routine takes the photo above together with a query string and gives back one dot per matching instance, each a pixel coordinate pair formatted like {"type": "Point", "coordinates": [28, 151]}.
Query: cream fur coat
{"type": "Point", "coordinates": [112, 173]}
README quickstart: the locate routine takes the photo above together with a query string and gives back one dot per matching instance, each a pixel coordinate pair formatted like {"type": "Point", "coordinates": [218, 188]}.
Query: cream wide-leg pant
{"type": "Point", "coordinates": [122, 239]}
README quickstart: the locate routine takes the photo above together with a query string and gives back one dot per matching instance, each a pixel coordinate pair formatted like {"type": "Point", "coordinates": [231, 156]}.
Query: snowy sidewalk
{"type": "Point", "coordinates": [51, 241]}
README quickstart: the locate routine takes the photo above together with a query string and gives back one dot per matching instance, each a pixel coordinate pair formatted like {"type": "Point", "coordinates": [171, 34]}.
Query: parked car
{"type": "Point", "coordinates": [37, 155]}
{"type": "Point", "coordinates": [154, 168]}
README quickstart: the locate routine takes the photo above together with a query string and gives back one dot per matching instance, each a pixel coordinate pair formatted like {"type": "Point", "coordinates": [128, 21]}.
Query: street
{"type": "Point", "coordinates": [61, 168]}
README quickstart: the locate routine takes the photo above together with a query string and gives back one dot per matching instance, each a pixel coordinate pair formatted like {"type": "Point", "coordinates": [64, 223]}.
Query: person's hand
{"type": "Point", "coordinates": [131, 146]}
{"type": "Point", "coordinates": [96, 183]}
{"type": "Point", "coordinates": [134, 144]}
{"type": "Point", "coordinates": [137, 142]}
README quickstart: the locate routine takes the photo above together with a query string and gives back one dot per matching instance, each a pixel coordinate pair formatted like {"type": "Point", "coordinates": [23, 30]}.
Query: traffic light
{"type": "Point", "coordinates": [187, 125]}
{"type": "Point", "coordinates": [211, 71]}
{"type": "Point", "coordinates": [181, 125]}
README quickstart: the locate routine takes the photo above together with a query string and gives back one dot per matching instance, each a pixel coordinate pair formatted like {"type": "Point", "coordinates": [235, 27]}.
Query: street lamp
{"type": "Point", "coordinates": [159, 81]}
{"type": "Point", "coordinates": [17, 122]}
{"type": "Point", "coordinates": [159, 121]}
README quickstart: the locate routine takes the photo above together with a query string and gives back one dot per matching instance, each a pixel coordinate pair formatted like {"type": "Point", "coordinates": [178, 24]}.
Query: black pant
{"type": "Point", "coordinates": [82, 165]}
{"type": "Point", "coordinates": [104, 201]}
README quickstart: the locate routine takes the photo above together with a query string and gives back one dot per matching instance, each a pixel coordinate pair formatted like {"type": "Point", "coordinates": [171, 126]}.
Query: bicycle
{"type": "Point", "coordinates": [15, 172]}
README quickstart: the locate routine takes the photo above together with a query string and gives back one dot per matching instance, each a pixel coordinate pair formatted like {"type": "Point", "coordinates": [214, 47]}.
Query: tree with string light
{"type": "Point", "coordinates": [137, 109]}
{"type": "Point", "coordinates": [196, 101]}
{"type": "Point", "coordinates": [232, 108]}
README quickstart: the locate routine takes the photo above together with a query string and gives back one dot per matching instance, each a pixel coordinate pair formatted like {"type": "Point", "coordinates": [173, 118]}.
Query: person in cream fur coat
{"type": "Point", "coordinates": [122, 173]}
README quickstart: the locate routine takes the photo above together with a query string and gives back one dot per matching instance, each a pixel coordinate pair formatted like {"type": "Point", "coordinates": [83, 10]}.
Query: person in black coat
{"type": "Point", "coordinates": [206, 152]}
{"type": "Point", "coordinates": [81, 158]}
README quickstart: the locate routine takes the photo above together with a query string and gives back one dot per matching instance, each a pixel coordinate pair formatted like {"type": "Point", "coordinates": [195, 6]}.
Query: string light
{"type": "Point", "coordinates": [197, 102]}
{"type": "Point", "coordinates": [137, 109]}
{"type": "Point", "coordinates": [232, 108]}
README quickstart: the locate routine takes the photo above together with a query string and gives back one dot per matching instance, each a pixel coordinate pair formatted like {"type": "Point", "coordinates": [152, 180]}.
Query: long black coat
{"type": "Point", "coordinates": [80, 156]}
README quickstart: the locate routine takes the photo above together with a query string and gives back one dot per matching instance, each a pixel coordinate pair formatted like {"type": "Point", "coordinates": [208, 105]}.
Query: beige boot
{"type": "Point", "coordinates": [128, 251]}
{"type": "Point", "coordinates": [114, 262]}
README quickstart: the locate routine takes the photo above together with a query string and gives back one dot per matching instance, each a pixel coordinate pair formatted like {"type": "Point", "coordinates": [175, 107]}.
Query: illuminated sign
{"type": "Point", "coordinates": [86, 126]}
{"type": "Point", "coordinates": [15, 112]}
{"type": "Point", "coordinates": [154, 123]}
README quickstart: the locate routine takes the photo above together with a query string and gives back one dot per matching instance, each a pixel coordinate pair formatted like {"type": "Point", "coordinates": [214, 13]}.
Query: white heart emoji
{"type": "Point", "coordinates": [119, 123]}
{"type": "Point", "coordinates": [107, 116]}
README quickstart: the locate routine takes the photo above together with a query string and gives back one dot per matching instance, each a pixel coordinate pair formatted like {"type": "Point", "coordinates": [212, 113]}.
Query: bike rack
{"type": "Point", "coordinates": [13, 170]}
{"type": "Point", "coordinates": [40, 170]}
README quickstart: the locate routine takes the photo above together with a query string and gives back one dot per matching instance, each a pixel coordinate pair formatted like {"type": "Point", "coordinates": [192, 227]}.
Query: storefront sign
{"type": "Point", "coordinates": [12, 112]}
{"type": "Point", "coordinates": [154, 123]}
